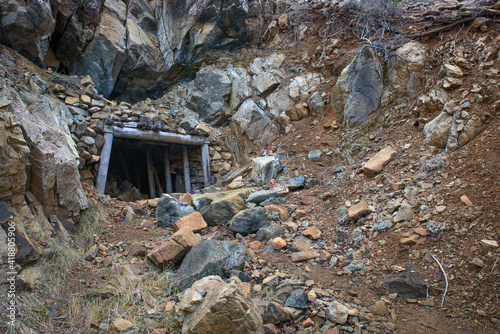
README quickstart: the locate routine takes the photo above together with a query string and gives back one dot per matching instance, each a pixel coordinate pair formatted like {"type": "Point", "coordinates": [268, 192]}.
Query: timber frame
{"type": "Point", "coordinates": [158, 138]}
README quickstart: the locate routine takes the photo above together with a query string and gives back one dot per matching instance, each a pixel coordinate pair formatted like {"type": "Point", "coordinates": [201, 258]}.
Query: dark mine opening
{"type": "Point", "coordinates": [137, 164]}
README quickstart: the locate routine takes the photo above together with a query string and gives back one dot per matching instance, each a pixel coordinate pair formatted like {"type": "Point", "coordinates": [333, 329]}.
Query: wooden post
{"type": "Point", "coordinates": [205, 162]}
{"type": "Point", "coordinates": [104, 164]}
{"type": "Point", "coordinates": [185, 161]}
{"type": "Point", "coordinates": [137, 174]}
{"type": "Point", "coordinates": [168, 172]}
{"type": "Point", "coordinates": [151, 179]}
{"type": "Point", "coordinates": [158, 184]}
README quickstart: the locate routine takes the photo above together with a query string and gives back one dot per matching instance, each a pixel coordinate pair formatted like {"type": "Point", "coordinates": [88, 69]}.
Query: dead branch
{"type": "Point", "coordinates": [494, 264]}
{"type": "Point", "coordinates": [445, 278]}
{"type": "Point", "coordinates": [449, 26]}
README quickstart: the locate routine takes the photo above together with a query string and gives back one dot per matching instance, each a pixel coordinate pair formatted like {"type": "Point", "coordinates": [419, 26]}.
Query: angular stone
{"type": "Point", "coordinates": [248, 221]}
{"type": "Point", "coordinates": [489, 243]}
{"type": "Point", "coordinates": [406, 285]}
{"type": "Point", "coordinates": [379, 160]}
{"type": "Point", "coordinates": [314, 155]}
{"type": "Point", "coordinates": [210, 257]}
{"type": "Point", "coordinates": [304, 255]}
{"type": "Point", "coordinates": [300, 244]}
{"type": "Point", "coordinates": [219, 208]}
{"type": "Point", "coordinates": [194, 221]}
{"type": "Point", "coordinates": [121, 325]}
{"type": "Point", "coordinates": [174, 249]}
{"type": "Point", "coordinates": [137, 249]}
{"type": "Point", "coordinates": [379, 308]}
{"type": "Point", "coordinates": [283, 211]}
{"type": "Point", "coordinates": [170, 210]}
{"type": "Point", "coordinates": [297, 299]}
{"type": "Point", "coordinates": [212, 306]}
{"type": "Point", "coordinates": [478, 262]}
{"type": "Point", "coordinates": [437, 130]}
{"type": "Point", "coordinates": [411, 240]}
{"type": "Point", "coordinates": [359, 210]}
{"type": "Point", "coordinates": [263, 168]}
{"type": "Point", "coordinates": [405, 213]}
{"type": "Point", "coordinates": [269, 231]}
{"type": "Point", "coordinates": [312, 233]}
{"type": "Point", "coordinates": [337, 312]}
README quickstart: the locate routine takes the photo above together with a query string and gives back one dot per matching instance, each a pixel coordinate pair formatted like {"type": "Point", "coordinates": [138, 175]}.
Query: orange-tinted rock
{"type": "Point", "coordinates": [186, 198]}
{"type": "Point", "coordinates": [303, 256]}
{"type": "Point", "coordinates": [174, 249]}
{"type": "Point", "coordinates": [312, 233]}
{"type": "Point", "coordinates": [194, 221]}
{"type": "Point", "coordinates": [411, 240]}
{"type": "Point", "coordinates": [379, 160]}
{"type": "Point", "coordinates": [420, 231]}
{"type": "Point", "coordinates": [324, 255]}
{"type": "Point", "coordinates": [299, 213]}
{"type": "Point", "coordinates": [359, 210]}
{"type": "Point", "coordinates": [280, 209]}
{"type": "Point", "coordinates": [255, 245]}
{"type": "Point", "coordinates": [466, 200]}
{"type": "Point", "coordinates": [278, 243]}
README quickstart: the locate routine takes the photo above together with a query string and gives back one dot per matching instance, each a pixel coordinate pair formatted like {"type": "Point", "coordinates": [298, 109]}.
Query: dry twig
{"type": "Point", "coordinates": [494, 264]}
{"type": "Point", "coordinates": [445, 278]}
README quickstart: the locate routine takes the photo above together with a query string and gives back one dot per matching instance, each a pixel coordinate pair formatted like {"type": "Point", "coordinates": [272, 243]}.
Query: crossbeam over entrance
{"type": "Point", "coordinates": [159, 138]}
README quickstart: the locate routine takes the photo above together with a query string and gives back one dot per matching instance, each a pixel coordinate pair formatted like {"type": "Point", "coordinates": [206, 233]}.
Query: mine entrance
{"type": "Point", "coordinates": [136, 163]}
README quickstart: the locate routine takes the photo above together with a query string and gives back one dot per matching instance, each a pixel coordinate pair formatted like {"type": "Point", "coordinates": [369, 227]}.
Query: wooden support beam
{"type": "Point", "coordinates": [104, 164]}
{"type": "Point", "coordinates": [158, 184]}
{"type": "Point", "coordinates": [151, 180]}
{"type": "Point", "coordinates": [168, 172]}
{"type": "Point", "coordinates": [185, 161]}
{"type": "Point", "coordinates": [205, 162]}
{"type": "Point", "coordinates": [159, 136]}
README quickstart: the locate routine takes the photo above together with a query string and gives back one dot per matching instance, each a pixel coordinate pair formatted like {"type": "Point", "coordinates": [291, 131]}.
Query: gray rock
{"type": "Point", "coordinates": [297, 299]}
{"type": "Point", "coordinates": [269, 231]}
{"type": "Point", "coordinates": [212, 306]}
{"type": "Point", "coordinates": [130, 217]}
{"type": "Point", "coordinates": [437, 130]}
{"type": "Point", "coordinates": [316, 103]}
{"type": "Point", "coordinates": [170, 210]}
{"type": "Point", "coordinates": [210, 257]}
{"type": "Point", "coordinates": [252, 121]}
{"type": "Point", "coordinates": [314, 155]}
{"type": "Point", "coordinates": [406, 285]}
{"type": "Point", "coordinates": [405, 213]}
{"type": "Point", "coordinates": [189, 123]}
{"type": "Point", "coordinates": [260, 196]}
{"type": "Point", "coordinates": [265, 83]}
{"type": "Point", "coordinates": [311, 182]}
{"type": "Point", "coordinates": [272, 313]}
{"type": "Point", "coordinates": [208, 95]}
{"type": "Point", "coordinates": [270, 201]}
{"type": "Point", "coordinates": [478, 262]}
{"type": "Point", "coordinates": [220, 210]}
{"type": "Point", "coordinates": [359, 88]}
{"type": "Point", "coordinates": [301, 244]}
{"type": "Point", "coordinates": [248, 221]}
{"type": "Point", "coordinates": [240, 89]}
{"type": "Point", "coordinates": [337, 312]}
{"type": "Point", "coordinates": [264, 169]}
{"type": "Point", "coordinates": [295, 183]}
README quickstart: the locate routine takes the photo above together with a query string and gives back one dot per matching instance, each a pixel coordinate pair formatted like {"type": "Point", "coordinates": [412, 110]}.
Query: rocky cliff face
{"type": "Point", "coordinates": [132, 49]}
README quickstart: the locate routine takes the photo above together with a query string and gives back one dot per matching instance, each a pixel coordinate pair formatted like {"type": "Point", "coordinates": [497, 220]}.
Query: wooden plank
{"type": "Point", "coordinates": [158, 184]}
{"type": "Point", "coordinates": [185, 161]}
{"type": "Point", "coordinates": [151, 181]}
{"type": "Point", "coordinates": [205, 162]}
{"type": "Point", "coordinates": [168, 172]}
{"type": "Point", "coordinates": [159, 136]}
{"type": "Point", "coordinates": [104, 164]}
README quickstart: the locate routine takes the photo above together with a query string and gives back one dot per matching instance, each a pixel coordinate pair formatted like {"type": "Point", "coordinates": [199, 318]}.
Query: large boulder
{"type": "Point", "coordinates": [218, 209]}
{"type": "Point", "coordinates": [248, 221]}
{"type": "Point", "coordinates": [251, 121]}
{"type": "Point", "coordinates": [240, 90]}
{"type": "Point", "coordinates": [210, 257]}
{"type": "Point", "coordinates": [264, 169]}
{"type": "Point", "coordinates": [170, 210]}
{"type": "Point", "coordinates": [359, 88]}
{"type": "Point", "coordinates": [26, 26]}
{"type": "Point", "coordinates": [212, 306]}
{"type": "Point", "coordinates": [436, 131]}
{"type": "Point", "coordinates": [208, 96]}
{"type": "Point", "coordinates": [173, 250]}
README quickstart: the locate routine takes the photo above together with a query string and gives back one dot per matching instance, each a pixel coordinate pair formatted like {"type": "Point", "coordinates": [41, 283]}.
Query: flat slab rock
{"type": "Point", "coordinates": [379, 160]}
{"type": "Point", "coordinates": [407, 285]}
